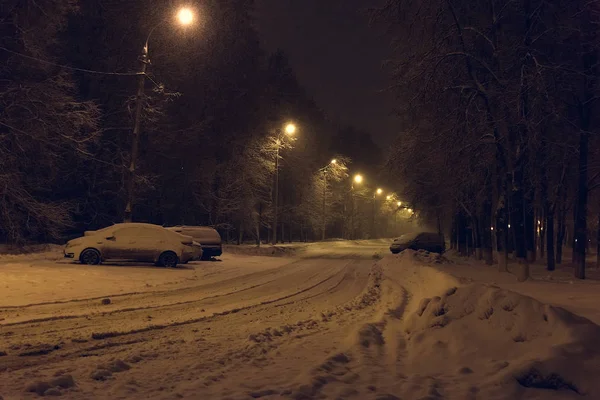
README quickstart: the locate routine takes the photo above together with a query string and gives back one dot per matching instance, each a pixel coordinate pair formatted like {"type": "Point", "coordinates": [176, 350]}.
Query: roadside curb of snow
{"type": "Point", "coordinates": [541, 346]}
{"type": "Point", "coordinates": [51, 252]}
{"type": "Point", "coordinates": [497, 343]}
{"type": "Point", "coordinates": [264, 250]}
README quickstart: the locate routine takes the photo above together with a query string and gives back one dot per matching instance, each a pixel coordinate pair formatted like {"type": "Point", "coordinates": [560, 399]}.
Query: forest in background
{"type": "Point", "coordinates": [498, 102]}
{"type": "Point", "coordinates": [214, 100]}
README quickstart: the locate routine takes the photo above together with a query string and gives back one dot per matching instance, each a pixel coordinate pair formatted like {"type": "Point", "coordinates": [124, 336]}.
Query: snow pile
{"type": "Point", "coordinates": [433, 336]}
{"type": "Point", "coordinates": [512, 340]}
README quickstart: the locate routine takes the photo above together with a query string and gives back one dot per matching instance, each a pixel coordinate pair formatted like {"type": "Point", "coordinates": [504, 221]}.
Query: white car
{"type": "Point", "coordinates": [135, 242]}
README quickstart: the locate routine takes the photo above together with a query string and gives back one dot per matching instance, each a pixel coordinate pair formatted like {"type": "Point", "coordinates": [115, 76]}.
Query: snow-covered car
{"type": "Point", "coordinates": [208, 237]}
{"type": "Point", "coordinates": [134, 242]}
{"type": "Point", "coordinates": [429, 241]}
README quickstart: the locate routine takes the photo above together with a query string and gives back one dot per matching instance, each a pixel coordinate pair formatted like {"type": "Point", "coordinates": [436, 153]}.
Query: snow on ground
{"type": "Point", "coordinates": [334, 321]}
{"type": "Point", "coordinates": [558, 287]}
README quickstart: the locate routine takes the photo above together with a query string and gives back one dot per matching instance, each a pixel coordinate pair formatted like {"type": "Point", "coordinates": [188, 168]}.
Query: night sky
{"type": "Point", "coordinates": [337, 57]}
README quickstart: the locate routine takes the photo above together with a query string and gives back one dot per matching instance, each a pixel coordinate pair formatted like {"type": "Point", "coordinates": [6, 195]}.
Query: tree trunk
{"type": "Point", "coordinates": [598, 244]}
{"type": "Point", "coordinates": [518, 219]}
{"type": "Point", "coordinates": [462, 235]}
{"type": "Point", "coordinates": [581, 214]}
{"type": "Point", "coordinates": [550, 262]}
{"type": "Point", "coordinates": [530, 224]}
{"type": "Point", "coordinates": [258, 224]}
{"type": "Point", "coordinates": [476, 230]}
{"type": "Point", "coordinates": [453, 233]}
{"type": "Point", "coordinates": [257, 227]}
{"type": "Point", "coordinates": [542, 235]}
{"type": "Point", "coordinates": [485, 223]}
{"type": "Point", "coordinates": [240, 237]}
{"type": "Point", "coordinates": [502, 233]}
{"type": "Point", "coordinates": [560, 235]}
{"type": "Point", "coordinates": [282, 232]}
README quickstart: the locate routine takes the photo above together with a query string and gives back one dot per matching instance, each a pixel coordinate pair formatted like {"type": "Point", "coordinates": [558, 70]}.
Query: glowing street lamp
{"type": "Point", "coordinates": [399, 204]}
{"type": "Point", "coordinates": [410, 210]}
{"type": "Point", "coordinates": [324, 221]}
{"type": "Point", "coordinates": [185, 17]}
{"type": "Point", "coordinates": [358, 178]}
{"type": "Point", "coordinates": [290, 129]}
{"type": "Point", "coordinates": [388, 197]}
{"type": "Point", "coordinates": [379, 191]}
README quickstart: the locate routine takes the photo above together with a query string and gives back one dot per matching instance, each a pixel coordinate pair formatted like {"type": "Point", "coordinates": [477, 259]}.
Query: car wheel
{"type": "Point", "coordinates": [90, 257]}
{"type": "Point", "coordinates": [168, 259]}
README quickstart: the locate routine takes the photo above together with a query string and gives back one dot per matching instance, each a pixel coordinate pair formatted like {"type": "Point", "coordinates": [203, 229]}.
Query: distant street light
{"type": "Point", "coordinates": [388, 197]}
{"type": "Point", "coordinates": [399, 204]}
{"type": "Point", "coordinates": [358, 179]}
{"type": "Point", "coordinates": [185, 16]}
{"type": "Point", "coordinates": [289, 130]}
{"type": "Point", "coordinates": [377, 192]}
{"type": "Point", "coordinates": [333, 161]}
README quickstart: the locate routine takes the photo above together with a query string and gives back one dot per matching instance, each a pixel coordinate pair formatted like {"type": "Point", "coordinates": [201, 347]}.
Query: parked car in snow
{"type": "Point", "coordinates": [429, 241]}
{"type": "Point", "coordinates": [134, 242]}
{"type": "Point", "coordinates": [208, 237]}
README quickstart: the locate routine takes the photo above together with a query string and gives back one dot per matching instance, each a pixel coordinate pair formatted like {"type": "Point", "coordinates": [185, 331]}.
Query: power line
{"type": "Point", "coordinates": [89, 71]}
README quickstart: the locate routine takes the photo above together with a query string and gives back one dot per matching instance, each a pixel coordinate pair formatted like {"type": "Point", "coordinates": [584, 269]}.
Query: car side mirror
{"type": "Point", "coordinates": [111, 238]}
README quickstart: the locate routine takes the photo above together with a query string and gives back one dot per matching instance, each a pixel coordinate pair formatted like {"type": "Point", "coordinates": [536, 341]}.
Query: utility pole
{"type": "Point", "coordinates": [324, 204]}
{"type": "Point", "coordinates": [135, 140]}
{"type": "Point", "coordinates": [276, 195]}
{"type": "Point", "coordinates": [373, 217]}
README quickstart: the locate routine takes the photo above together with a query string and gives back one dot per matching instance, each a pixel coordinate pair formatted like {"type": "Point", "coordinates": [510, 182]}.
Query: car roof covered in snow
{"type": "Point", "coordinates": [204, 234]}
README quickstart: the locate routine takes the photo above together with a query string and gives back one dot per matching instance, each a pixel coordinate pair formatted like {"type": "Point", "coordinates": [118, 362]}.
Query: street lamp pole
{"type": "Point", "coordinates": [324, 203]}
{"type": "Point", "coordinates": [323, 217]}
{"type": "Point", "coordinates": [276, 199]}
{"type": "Point", "coordinates": [377, 192]}
{"type": "Point", "coordinates": [185, 17]}
{"type": "Point", "coordinates": [135, 140]}
{"type": "Point", "coordinates": [290, 129]}
{"type": "Point", "coordinates": [357, 179]}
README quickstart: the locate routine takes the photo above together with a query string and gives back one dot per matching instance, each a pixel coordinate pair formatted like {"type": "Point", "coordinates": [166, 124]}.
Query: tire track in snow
{"type": "Point", "coordinates": [327, 273]}
{"type": "Point", "coordinates": [139, 296]}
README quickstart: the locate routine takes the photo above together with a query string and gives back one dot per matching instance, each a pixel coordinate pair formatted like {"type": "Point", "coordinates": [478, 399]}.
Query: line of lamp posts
{"type": "Point", "coordinates": [185, 17]}
{"type": "Point", "coordinates": [289, 131]}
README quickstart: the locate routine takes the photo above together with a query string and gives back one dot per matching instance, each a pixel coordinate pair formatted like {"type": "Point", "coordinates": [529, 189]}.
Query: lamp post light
{"type": "Point", "coordinates": [323, 218]}
{"type": "Point", "coordinates": [289, 130]}
{"type": "Point", "coordinates": [357, 179]}
{"type": "Point", "coordinates": [185, 16]}
{"type": "Point", "coordinates": [378, 192]}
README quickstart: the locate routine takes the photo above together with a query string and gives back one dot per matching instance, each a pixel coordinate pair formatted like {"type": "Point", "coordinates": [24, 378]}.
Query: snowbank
{"type": "Point", "coordinates": [438, 336]}
{"type": "Point", "coordinates": [51, 252]}
{"type": "Point", "coordinates": [264, 250]}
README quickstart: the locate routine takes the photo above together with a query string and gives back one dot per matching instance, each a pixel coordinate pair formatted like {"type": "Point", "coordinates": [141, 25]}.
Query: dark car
{"type": "Point", "coordinates": [208, 237]}
{"type": "Point", "coordinates": [429, 241]}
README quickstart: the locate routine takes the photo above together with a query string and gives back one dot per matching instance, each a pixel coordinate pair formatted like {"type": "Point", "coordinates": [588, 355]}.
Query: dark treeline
{"type": "Point", "coordinates": [499, 108]}
{"type": "Point", "coordinates": [214, 100]}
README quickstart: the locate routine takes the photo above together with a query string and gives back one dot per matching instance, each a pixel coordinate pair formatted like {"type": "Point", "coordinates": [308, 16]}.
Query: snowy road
{"type": "Point", "coordinates": [190, 321]}
{"type": "Point", "coordinates": [332, 322]}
